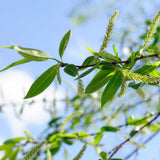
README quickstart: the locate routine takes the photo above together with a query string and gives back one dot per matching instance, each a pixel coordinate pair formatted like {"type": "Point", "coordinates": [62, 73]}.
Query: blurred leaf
{"type": "Point", "coordinates": [104, 155]}
{"type": "Point", "coordinates": [111, 87]}
{"type": "Point", "coordinates": [15, 140]}
{"type": "Point", "coordinates": [64, 43]}
{"type": "Point", "coordinates": [49, 155]}
{"type": "Point", "coordinates": [109, 129]}
{"type": "Point", "coordinates": [138, 121]}
{"type": "Point", "coordinates": [6, 146]}
{"type": "Point", "coordinates": [71, 70]}
{"type": "Point", "coordinates": [13, 154]}
{"type": "Point", "coordinates": [15, 64]}
{"type": "Point", "coordinates": [135, 85]}
{"type": "Point", "coordinates": [42, 82]}
{"type": "Point", "coordinates": [54, 120]}
{"type": "Point", "coordinates": [98, 138]}
{"type": "Point", "coordinates": [100, 79]}
{"type": "Point", "coordinates": [155, 127]}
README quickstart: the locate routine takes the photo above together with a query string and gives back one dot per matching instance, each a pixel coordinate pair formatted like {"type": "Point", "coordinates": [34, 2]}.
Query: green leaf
{"type": "Point", "coordinates": [86, 73]}
{"type": "Point", "coordinates": [59, 76]}
{"type": "Point", "coordinates": [92, 51]}
{"type": "Point", "coordinates": [155, 127]}
{"type": "Point", "coordinates": [6, 147]}
{"type": "Point", "coordinates": [136, 85]}
{"type": "Point", "coordinates": [109, 129]}
{"type": "Point", "coordinates": [14, 140]}
{"type": "Point", "coordinates": [145, 70]}
{"type": "Point", "coordinates": [100, 79]}
{"type": "Point", "coordinates": [139, 121]}
{"type": "Point", "coordinates": [115, 50]}
{"type": "Point", "coordinates": [13, 154]}
{"type": "Point", "coordinates": [64, 43]}
{"type": "Point", "coordinates": [89, 60]}
{"type": "Point", "coordinates": [71, 70]}
{"type": "Point", "coordinates": [108, 57]}
{"type": "Point", "coordinates": [32, 54]}
{"type": "Point", "coordinates": [98, 138]}
{"type": "Point", "coordinates": [104, 155]}
{"type": "Point", "coordinates": [15, 64]}
{"type": "Point", "coordinates": [112, 87]}
{"type": "Point", "coordinates": [42, 82]}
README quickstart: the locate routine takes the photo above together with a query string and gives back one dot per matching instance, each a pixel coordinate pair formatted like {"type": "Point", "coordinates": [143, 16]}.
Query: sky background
{"type": "Point", "coordinates": [41, 25]}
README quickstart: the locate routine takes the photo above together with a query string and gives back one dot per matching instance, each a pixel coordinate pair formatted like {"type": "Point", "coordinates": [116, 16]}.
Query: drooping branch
{"type": "Point", "coordinates": [115, 150]}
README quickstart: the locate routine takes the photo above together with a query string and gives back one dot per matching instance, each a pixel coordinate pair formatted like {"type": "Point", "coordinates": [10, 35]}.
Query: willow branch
{"type": "Point", "coordinates": [114, 150]}
{"type": "Point", "coordinates": [113, 63]}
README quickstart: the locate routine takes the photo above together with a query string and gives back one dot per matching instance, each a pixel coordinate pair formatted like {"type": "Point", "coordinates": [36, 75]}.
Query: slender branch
{"type": "Point", "coordinates": [145, 142]}
{"type": "Point", "coordinates": [112, 63]}
{"type": "Point", "coordinates": [114, 150]}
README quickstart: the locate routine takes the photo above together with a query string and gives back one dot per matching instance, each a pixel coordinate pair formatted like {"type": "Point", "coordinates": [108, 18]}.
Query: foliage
{"type": "Point", "coordinates": [86, 108]}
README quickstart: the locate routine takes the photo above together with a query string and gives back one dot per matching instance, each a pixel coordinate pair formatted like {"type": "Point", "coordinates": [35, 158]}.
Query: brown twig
{"type": "Point", "coordinates": [112, 63]}
{"type": "Point", "coordinates": [114, 150]}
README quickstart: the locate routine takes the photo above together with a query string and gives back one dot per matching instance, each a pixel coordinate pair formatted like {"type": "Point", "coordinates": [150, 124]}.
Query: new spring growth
{"type": "Point", "coordinates": [108, 32]}
{"type": "Point", "coordinates": [123, 87]}
{"type": "Point", "coordinates": [151, 31]}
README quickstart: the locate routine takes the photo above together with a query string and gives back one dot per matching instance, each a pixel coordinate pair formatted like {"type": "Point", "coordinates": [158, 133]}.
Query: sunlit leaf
{"type": "Point", "coordinates": [14, 140]}
{"type": "Point", "coordinates": [111, 87]}
{"type": "Point", "coordinates": [100, 79]}
{"type": "Point", "coordinates": [108, 57]}
{"type": "Point", "coordinates": [15, 64]}
{"type": "Point", "coordinates": [42, 82]}
{"type": "Point", "coordinates": [98, 138]}
{"type": "Point", "coordinates": [92, 51]}
{"type": "Point", "coordinates": [64, 43]}
{"type": "Point", "coordinates": [59, 76]}
{"type": "Point", "coordinates": [13, 154]}
{"type": "Point", "coordinates": [31, 54]}
{"type": "Point", "coordinates": [115, 50]}
{"type": "Point", "coordinates": [146, 69]}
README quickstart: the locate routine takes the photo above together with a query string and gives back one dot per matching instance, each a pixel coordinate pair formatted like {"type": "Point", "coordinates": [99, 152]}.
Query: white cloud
{"type": "Point", "coordinates": [14, 85]}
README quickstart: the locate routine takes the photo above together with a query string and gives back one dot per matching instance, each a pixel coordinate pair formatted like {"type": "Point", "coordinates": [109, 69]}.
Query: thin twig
{"type": "Point", "coordinates": [111, 63]}
{"type": "Point", "coordinates": [145, 142]}
{"type": "Point", "coordinates": [114, 150]}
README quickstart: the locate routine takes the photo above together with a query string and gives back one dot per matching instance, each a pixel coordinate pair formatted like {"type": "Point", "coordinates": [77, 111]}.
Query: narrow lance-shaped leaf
{"type": "Point", "coordinates": [31, 54]}
{"type": "Point", "coordinates": [100, 79]}
{"type": "Point", "coordinates": [59, 76]}
{"type": "Point", "coordinates": [42, 82]}
{"type": "Point", "coordinates": [111, 87]}
{"type": "Point", "coordinates": [108, 57]}
{"type": "Point", "coordinates": [15, 64]}
{"type": "Point", "coordinates": [64, 43]}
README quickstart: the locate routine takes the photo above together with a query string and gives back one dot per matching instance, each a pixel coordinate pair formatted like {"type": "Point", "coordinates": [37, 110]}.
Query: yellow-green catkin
{"type": "Point", "coordinates": [34, 151]}
{"type": "Point", "coordinates": [123, 87]}
{"type": "Point", "coordinates": [108, 32]}
{"type": "Point", "coordinates": [80, 154]}
{"type": "Point", "coordinates": [141, 93]}
{"type": "Point", "coordinates": [80, 91]}
{"type": "Point", "coordinates": [141, 78]}
{"type": "Point", "coordinates": [151, 31]}
{"type": "Point", "coordinates": [69, 118]}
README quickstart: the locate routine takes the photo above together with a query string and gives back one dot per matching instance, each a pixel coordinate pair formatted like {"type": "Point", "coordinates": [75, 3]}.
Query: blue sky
{"type": "Point", "coordinates": [41, 25]}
